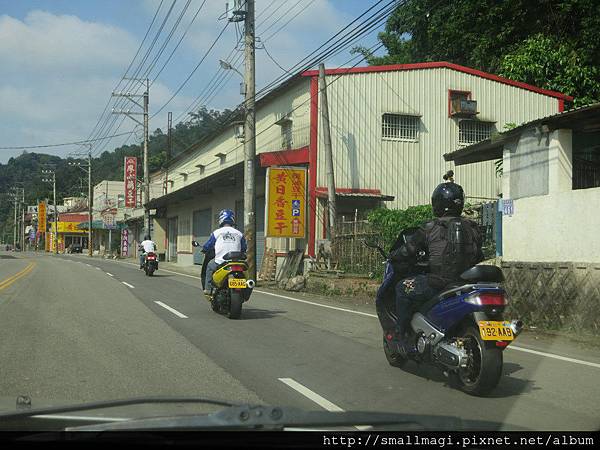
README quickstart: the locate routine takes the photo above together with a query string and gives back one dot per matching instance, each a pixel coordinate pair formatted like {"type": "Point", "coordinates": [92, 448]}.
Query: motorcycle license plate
{"type": "Point", "coordinates": [237, 283]}
{"type": "Point", "coordinates": [495, 331]}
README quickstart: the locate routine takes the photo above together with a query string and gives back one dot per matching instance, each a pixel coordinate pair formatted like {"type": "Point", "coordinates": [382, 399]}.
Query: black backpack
{"type": "Point", "coordinates": [454, 245]}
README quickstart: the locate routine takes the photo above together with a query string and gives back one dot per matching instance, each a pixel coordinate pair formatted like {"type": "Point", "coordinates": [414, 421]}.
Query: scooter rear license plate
{"type": "Point", "coordinates": [237, 283]}
{"type": "Point", "coordinates": [495, 331]}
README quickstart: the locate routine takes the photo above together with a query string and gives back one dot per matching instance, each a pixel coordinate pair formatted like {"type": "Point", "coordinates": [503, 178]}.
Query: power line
{"type": "Point", "coordinates": [178, 43]}
{"type": "Point", "coordinates": [129, 67]}
{"type": "Point", "coordinates": [286, 13]}
{"type": "Point", "coordinates": [333, 49]}
{"type": "Point", "coordinates": [193, 71]}
{"type": "Point", "coordinates": [157, 56]}
{"type": "Point", "coordinates": [86, 141]}
{"type": "Point", "coordinates": [168, 38]}
{"type": "Point", "coordinates": [135, 75]}
{"type": "Point", "coordinates": [208, 93]}
{"type": "Point", "coordinates": [264, 47]}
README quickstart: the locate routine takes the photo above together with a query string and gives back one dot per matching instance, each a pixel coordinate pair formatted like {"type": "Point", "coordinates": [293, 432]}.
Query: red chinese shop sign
{"type": "Point", "coordinates": [130, 181]}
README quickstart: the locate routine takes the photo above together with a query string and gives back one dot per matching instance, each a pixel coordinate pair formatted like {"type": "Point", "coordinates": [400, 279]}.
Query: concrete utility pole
{"type": "Point", "coordinates": [23, 240]}
{"type": "Point", "coordinates": [15, 226]}
{"type": "Point", "coordinates": [250, 138]}
{"type": "Point", "coordinates": [146, 96]}
{"type": "Point", "coordinates": [55, 213]}
{"type": "Point", "coordinates": [88, 168]}
{"type": "Point", "coordinates": [18, 195]}
{"type": "Point", "coordinates": [169, 152]}
{"type": "Point", "coordinates": [328, 151]}
{"type": "Point", "coordinates": [53, 181]}
{"type": "Point", "coordinates": [90, 200]}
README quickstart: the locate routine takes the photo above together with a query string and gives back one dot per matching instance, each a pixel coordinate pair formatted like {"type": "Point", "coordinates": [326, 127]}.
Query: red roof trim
{"type": "Point", "coordinates": [284, 157]}
{"type": "Point", "coordinates": [441, 64]}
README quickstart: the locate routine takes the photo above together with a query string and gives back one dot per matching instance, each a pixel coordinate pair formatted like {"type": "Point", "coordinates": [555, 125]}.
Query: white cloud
{"type": "Point", "coordinates": [61, 44]}
{"type": "Point", "coordinates": [57, 71]}
{"type": "Point", "coordinates": [56, 75]}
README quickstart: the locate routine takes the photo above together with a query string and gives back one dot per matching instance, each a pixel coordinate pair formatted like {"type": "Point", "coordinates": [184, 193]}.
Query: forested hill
{"type": "Point", "coordinates": [26, 169]}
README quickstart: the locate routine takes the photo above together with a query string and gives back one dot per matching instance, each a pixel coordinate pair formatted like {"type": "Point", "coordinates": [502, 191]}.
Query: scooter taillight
{"type": "Point", "coordinates": [488, 299]}
{"type": "Point", "coordinates": [237, 268]}
{"type": "Point", "coordinates": [151, 257]}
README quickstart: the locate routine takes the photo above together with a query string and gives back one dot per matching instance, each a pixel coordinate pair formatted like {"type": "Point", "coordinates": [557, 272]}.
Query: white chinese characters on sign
{"type": "Point", "coordinates": [130, 181]}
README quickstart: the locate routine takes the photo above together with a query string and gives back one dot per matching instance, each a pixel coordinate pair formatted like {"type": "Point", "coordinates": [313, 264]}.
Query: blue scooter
{"type": "Point", "coordinates": [462, 330]}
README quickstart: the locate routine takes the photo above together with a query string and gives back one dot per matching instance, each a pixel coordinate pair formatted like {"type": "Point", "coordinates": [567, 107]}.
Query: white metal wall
{"type": "Point", "coordinates": [221, 197]}
{"type": "Point", "coordinates": [410, 170]}
{"type": "Point", "coordinates": [293, 103]}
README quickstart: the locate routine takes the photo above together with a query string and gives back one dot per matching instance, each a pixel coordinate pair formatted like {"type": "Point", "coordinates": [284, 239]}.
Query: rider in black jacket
{"type": "Point", "coordinates": [450, 244]}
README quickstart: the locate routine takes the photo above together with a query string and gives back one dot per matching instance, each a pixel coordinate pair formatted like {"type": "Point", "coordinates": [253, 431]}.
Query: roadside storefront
{"type": "Point", "coordinates": [69, 235]}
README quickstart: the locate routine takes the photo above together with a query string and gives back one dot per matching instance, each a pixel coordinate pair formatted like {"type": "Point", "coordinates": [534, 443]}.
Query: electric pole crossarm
{"type": "Point", "coordinates": [130, 115]}
{"type": "Point", "coordinates": [128, 97]}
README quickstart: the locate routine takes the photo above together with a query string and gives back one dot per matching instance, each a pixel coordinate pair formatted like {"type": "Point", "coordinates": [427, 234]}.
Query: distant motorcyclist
{"type": "Point", "coordinates": [450, 243]}
{"type": "Point", "coordinates": [223, 240]}
{"type": "Point", "coordinates": [146, 246]}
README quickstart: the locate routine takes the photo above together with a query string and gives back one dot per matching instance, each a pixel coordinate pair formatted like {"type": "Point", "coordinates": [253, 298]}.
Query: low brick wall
{"type": "Point", "coordinates": [554, 296]}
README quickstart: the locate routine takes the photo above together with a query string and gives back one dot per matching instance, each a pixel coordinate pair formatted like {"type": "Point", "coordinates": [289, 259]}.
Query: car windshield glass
{"type": "Point", "coordinates": [300, 206]}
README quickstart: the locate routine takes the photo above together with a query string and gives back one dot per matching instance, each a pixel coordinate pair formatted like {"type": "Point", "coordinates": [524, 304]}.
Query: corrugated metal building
{"type": "Point", "coordinates": [390, 127]}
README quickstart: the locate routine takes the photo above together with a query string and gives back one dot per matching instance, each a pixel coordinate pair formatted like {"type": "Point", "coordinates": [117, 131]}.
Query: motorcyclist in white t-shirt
{"type": "Point", "coordinates": [146, 246]}
{"type": "Point", "coordinates": [223, 240]}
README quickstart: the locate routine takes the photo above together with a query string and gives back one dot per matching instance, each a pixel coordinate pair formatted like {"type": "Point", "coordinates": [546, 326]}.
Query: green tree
{"type": "Point", "coordinates": [554, 64]}
{"type": "Point", "coordinates": [483, 33]}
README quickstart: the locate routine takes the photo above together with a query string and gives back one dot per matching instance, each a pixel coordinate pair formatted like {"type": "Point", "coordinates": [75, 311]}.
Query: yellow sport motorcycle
{"type": "Point", "coordinates": [231, 284]}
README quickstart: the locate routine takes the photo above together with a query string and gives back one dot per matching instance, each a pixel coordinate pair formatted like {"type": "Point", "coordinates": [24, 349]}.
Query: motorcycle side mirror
{"type": "Point", "coordinates": [373, 245]}
{"type": "Point", "coordinates": [195, 244]}
{"type": "Point", "coordinates": [369, 243]}
{"type": "Point", "coordinates": [408, 232]}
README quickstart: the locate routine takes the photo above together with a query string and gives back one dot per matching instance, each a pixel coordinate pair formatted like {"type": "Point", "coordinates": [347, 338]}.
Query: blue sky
{"type": "Point", "coordinates": [61, 59]}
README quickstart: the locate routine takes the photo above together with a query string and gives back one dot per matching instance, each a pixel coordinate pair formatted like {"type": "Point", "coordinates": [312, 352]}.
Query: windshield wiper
{"type": "Point", "coordinates": [109, 404]}
{"type": "Point", "coordinates": [274, 418]}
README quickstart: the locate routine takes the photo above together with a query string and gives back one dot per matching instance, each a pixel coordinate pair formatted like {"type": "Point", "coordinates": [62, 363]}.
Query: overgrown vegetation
{"type": "Point", "coordinates": [390, 222]}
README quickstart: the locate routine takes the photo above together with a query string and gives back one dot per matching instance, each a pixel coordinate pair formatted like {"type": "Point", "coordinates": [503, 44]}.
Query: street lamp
{"type": "Point", "coordinates": [227, 66]}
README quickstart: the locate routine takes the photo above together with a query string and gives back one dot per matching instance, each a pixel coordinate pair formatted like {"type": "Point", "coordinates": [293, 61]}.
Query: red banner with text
{"type": "Point", "coordinates": [130, 181]}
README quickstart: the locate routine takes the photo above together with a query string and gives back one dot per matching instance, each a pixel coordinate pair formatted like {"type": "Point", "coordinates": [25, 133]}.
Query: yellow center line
{"type": "Point", "coordinates": [10, 280]}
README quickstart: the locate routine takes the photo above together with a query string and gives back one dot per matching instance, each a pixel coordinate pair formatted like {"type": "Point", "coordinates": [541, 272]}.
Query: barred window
{"type": "Point", "coordinates": [399, 127]}
{"type": "Point", "coordinates": [473, 131]}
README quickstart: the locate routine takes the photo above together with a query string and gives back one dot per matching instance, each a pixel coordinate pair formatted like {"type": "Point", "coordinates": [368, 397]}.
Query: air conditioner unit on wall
{"type": "Point", "coordinates": [462, 107]}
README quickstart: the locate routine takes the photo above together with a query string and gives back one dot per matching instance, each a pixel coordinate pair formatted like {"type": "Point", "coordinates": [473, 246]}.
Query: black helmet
{"type": "Point", "coordinates": [147, 237]}
{"type": "Point", "coordinates": [448, 199]}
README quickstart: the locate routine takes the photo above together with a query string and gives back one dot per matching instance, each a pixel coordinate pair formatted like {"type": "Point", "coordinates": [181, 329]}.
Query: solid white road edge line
{"type": "Point", "coordinates": [318, 399]}
{"type": "Point", "coordinates": [317, 304]}
{"type": "Point", "coordinates": [510, 347]}
{"type": "Point", "coordinates": [552, 355]}
{"type": "Point", "coordinates": [173, 310]}
{"type": "Point", "coordinates": [127, 284]}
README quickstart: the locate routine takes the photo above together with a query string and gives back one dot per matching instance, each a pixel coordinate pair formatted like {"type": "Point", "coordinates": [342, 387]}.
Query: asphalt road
{"type": "Point", "coordinates": [76, 328]}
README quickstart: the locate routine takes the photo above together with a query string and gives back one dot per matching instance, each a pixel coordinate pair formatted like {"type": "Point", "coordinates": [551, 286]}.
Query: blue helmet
{"type": "Point", "coordinates": [226, 216]}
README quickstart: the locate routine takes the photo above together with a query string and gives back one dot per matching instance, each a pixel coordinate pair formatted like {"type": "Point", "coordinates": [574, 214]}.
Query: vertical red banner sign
{"type": "Point", "coordinates": [130, 181]}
